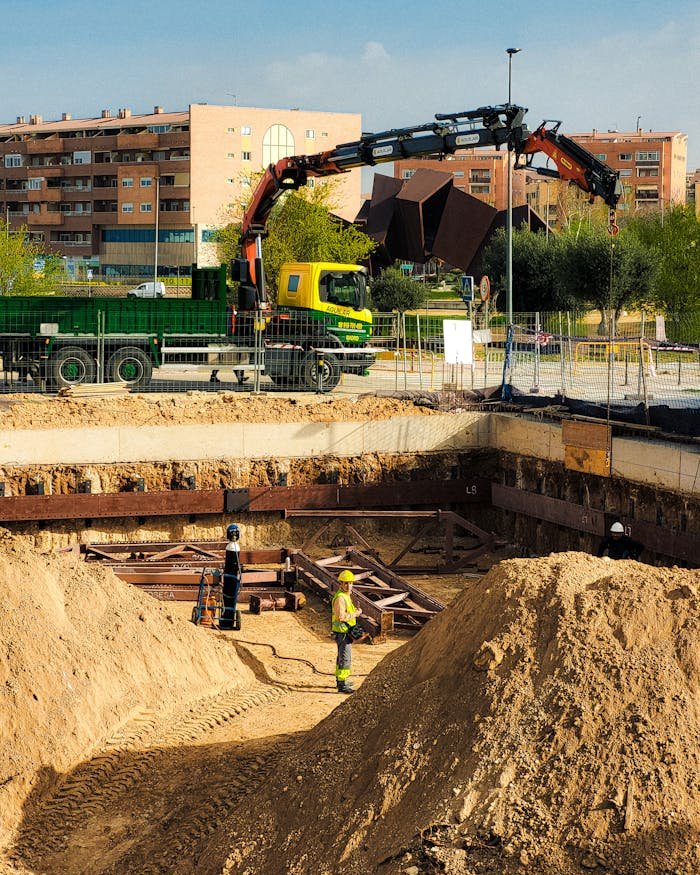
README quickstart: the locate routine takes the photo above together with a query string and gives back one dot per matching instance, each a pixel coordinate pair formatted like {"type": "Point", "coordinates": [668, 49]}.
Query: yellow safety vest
{"type": "Point", "coordinates": [349, 609]}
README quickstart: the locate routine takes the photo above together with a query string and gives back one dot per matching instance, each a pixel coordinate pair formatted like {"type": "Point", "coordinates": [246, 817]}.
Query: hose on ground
{"type": "Point", "coordinates": [277, 655]}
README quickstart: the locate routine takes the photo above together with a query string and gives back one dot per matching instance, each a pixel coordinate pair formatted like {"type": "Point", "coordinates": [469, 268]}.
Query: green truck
{"type": "Point", "coordinates": [306, 342]}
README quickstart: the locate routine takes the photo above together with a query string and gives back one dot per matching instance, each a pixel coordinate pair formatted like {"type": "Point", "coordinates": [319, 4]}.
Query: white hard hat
{"type": "Point", "coordinates": [617, 528]}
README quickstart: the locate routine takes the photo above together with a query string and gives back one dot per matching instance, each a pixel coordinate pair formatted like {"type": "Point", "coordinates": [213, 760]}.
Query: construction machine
{"type": "Point", "coordinates": [342, 324]}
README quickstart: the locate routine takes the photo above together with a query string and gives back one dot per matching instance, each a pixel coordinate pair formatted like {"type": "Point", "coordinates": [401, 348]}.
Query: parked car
{"type": "Point", "coordinates": [147, 290]}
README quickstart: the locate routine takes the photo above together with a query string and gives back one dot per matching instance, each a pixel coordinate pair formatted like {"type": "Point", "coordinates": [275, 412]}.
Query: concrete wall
{"type": "Point", "coordinates": [127, 444]}
{"type": "Point", "coordinates": [657, 463]}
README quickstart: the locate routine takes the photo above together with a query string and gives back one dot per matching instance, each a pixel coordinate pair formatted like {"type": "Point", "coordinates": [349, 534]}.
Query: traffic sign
{"type": "Point", "coordinates": [485, 288]}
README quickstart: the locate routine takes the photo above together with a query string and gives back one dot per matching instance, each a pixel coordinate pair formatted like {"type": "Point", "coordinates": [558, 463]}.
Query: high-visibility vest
{"type": "Point", "coordinates": [349, 609]}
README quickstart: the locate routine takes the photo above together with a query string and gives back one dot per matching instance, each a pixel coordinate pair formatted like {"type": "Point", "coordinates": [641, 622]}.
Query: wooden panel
{"type": "Point", "coordinates": [592, 435]}
{"type": "Point", "coordinates": [587, 460]}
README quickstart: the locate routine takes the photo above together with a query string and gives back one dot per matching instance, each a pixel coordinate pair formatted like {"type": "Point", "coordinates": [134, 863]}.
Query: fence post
{"type": "Point", "coordinates": [562, 368]}
{"type": "Point", "coordinates": [536, 374]}
{"type": "Point", "coordinates": [420, 357]}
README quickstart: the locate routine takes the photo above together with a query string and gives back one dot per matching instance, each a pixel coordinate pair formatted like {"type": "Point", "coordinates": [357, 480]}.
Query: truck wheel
{"type": "Point", "coordinates": [130, 365]}
{"type": "Point", "coordinates": [330, 371]}
{"type": "Point", "coordinates": [71, 366]}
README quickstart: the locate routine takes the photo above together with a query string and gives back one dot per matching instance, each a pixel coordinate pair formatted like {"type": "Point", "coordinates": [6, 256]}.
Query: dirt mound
{"type": "Point", "coordinates": [548, 720]}
{"type": "Point", "coordinates": [83, 652]}
{"type": "Point", "coordinates": [202, 408]}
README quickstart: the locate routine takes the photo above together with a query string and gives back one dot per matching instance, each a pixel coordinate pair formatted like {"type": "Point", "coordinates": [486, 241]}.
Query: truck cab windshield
{"type": "Point", "coordinates": [344, 288]}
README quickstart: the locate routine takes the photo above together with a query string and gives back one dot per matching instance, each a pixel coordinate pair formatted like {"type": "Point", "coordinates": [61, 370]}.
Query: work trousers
{"type": "Point", "coordinates": [343, 661]}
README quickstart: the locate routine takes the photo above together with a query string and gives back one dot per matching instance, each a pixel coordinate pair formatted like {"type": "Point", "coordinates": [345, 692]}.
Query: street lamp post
{"type": "Point", "coordinates": [155, 251]}
{"type": "Point", "coordinates": [509, 215]}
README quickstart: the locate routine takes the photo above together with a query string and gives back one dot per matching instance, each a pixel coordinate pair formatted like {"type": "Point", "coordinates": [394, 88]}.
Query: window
{"type": "Point", "coordinates": [34, 184]}
{"type": "Point", "coordinates": [625, 156]}
{"type": "Point", "coordinates": [648, 171]}
{"type": "Point", "coordinates": [159, 129]}
{"type": "Point", "coordinates": [647, 156]}
{"type": "Point", "coordinates": [480, 189]}
{"type": "Point", "coordinates": [146, 208]}
{"type": "Point", "coordinates": [278, 142]}
{"type": "Point", "coordinates": [324, 133]}
{"type": "Point", "coordinates": [127, 208]}
{"type": "Point", "coordinates": [146, 235]}
{"type": "Point", "coordinates": [310, 134]}
{"type": "Point", "coordinates": [127, 182]}
{"type": "Point", "coordinates": [459, 173]}
{"type": "Point", "coordinates": [246, 156]}
{"type": "Point", "coordinates": [293, 283]}
{"type": "Point", "coordinates": [13, 161]}
{"type": "Point", "coordinates": [82, 157]}
{"type": "Point", "coordinates": [146, 182]}
{"type": "Point", "coordinates": [343, 288]}
{"type": "Point", "coordinates": [230, 130]}
{"type": "Point", "coordinates": [407, 174]}
{"type": "Point", "coordinates": [230, 155]}
{"type": "Point", "coordinates": [246, 130]}
{"type": "Point", "coordinates": [230, 181]}
{"type": "Point", "coordinates": [601, 156]}
{"type": "Point", "coordinates": [627, 172]}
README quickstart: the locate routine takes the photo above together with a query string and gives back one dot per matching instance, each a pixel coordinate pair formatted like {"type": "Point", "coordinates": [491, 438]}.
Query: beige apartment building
{"type": "Point", "coordinates": [94, 190]}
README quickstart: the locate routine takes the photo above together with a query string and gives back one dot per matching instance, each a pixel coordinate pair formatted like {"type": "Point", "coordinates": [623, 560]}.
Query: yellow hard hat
{"type": "Point", "coordinates": [346, 576]}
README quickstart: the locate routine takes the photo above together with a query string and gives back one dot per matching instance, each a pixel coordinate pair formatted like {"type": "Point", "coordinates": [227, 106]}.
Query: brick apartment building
{"type": "Point", "coordinates": [89, 188]}
{"type": "Point", "coordinates": [692, 190]}
{"type": "Point", "coordinates": [652, 168]}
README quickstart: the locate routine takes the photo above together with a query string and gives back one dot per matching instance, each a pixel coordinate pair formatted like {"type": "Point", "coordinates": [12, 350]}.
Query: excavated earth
{"type": "Point", "coordinates": [546, 722]}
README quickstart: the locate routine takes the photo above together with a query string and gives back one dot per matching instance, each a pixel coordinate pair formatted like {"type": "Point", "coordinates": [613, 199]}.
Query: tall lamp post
{"type": "Point", "coordinates": [155, 250]}
{"type": "Point", "coordinates": [509, 215]}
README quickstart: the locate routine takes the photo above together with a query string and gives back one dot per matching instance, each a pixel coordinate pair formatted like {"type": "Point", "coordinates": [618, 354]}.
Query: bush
{"type": "Point", "coordinates": [391, 290]}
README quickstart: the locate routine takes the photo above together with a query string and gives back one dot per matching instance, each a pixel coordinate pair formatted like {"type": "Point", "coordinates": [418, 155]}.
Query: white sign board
{"type": "Point", "coordinates": [458, 341]}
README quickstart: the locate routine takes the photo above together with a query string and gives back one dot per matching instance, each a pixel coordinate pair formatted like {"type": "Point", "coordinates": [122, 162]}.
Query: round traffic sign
{"type": "Point", "coordinates": [485, 288]}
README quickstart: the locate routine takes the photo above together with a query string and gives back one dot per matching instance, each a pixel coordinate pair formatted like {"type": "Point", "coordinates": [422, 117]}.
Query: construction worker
{"type": "Point", "coordinates": [618, 545]}
{"type": "Point", "coordinates": [232, 577]}
{"type": "Point", "coordinates": [345, 616]}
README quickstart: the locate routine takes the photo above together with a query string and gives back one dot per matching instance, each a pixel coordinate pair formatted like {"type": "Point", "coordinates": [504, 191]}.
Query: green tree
{"type": "Point", "coordinates": [19, 271]}
{"type": "Point", "coordinates": [674, 238]}
{"type": "Point", "coordinates": [603, 272]}
{"type": "Point", "coordinates": [302, 227]}
{"type": "Point", "coordinates": [534, 271]}
{"type": "Point", "coordinates": [392, 290]}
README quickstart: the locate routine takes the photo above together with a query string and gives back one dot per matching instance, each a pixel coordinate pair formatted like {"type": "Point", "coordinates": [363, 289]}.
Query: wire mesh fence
{"type": "Point", "coordinates": [179, 344]}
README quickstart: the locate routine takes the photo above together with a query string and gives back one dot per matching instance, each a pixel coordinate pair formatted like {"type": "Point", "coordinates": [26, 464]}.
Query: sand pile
{"type": "Point", "coordinates": [549, 720]}
{"type": "Point", "coordinates": [82, 652]}
{"type": "Point", "coordinates": [202, 408]}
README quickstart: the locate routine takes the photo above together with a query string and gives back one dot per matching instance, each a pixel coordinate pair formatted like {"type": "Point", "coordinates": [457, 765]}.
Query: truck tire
{"type": "Point", "coordinates": [130, 365]}
{"type": "Point", "coordinates": [70, 366]}
{"type": "Point", "coordinates": [330, 371]}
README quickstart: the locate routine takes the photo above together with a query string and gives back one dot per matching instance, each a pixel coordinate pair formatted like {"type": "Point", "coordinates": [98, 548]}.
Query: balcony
{"type": "Point", "coordinates": [44, 147]}
{"type": "Point", "coordinates": [44, 218]}
{"type": "Point", "coordinates": [138, 142]}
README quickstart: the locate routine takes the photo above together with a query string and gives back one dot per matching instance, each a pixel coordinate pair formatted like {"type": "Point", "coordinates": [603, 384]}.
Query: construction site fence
{"type": "Point", "coordinates": [647, 359]}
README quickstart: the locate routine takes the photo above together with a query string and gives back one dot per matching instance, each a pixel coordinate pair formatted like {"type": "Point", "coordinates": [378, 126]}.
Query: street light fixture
{"type": "Point", "coordinates": [509, 215]}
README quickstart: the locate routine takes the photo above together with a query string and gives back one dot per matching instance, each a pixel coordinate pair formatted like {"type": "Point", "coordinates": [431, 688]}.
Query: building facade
{"type": "Point", "coordinates": [482, 173]}
{"type": "Point", "coordinates": [94, 191]}
{"type": "Point", "coordinates": [692, 190]}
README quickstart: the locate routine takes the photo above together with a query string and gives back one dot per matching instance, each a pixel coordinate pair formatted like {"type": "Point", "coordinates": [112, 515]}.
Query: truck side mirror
{"type": "Point", "coordinates": [240, 270]}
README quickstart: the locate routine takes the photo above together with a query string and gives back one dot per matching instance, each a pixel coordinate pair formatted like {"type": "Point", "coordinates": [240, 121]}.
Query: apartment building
{"type": "Point", "coordinates": [692, 190]}
{"type": "Point", "coordinates": [95, 190]}
{"type": "Point", "coordinates": [482, 173]}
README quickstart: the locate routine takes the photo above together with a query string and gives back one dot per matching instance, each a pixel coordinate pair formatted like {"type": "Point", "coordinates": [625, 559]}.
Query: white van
{"type": "Point", "coordinates": [147, 290]}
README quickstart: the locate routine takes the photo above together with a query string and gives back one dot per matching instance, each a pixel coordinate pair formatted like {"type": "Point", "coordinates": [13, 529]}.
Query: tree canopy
{"type": "Point", "coordinates": [301, 227]}
{"type": "Point", "coordinates": [392, 290]}
{"type": "Point", "coordinates": [24, 268]}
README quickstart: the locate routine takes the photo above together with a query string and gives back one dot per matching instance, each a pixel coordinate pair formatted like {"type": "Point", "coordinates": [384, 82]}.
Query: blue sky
{"type": "Point", "coordinates": [590, 64]}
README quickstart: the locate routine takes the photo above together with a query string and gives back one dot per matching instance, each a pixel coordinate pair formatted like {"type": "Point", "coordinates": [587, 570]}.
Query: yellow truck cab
{"type": "Point", "coordinates": [334, 294]}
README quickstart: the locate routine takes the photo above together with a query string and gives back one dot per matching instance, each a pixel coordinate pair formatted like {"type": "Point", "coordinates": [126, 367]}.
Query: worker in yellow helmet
{"type": "Point", "coordinates": [345, 616]}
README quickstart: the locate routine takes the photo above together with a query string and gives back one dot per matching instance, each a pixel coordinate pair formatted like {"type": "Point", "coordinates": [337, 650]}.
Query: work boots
{"type": "Point", "coordinates": [345, 687]}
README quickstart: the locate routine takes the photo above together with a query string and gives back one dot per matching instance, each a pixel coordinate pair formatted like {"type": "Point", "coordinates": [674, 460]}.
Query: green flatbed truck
{"type": "Point", "coordinates": [62, 342]}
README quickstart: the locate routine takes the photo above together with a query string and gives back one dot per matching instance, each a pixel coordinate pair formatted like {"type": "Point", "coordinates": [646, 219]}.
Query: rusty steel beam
{"type": "Point", "coordinates": [327, 496]}
{"type": "Point", "coordinates": [176, 502]}
{"type": "Point", "coordinates": [552, 510]}
{"type": "Point", "coordinates": [185, 577]}
{"type": "Point", "coordinates": [658, 539]}
{"type": "Point", "coordinates": [189, 593]}
{"type": "Point", "coordinates": [183, 502]}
